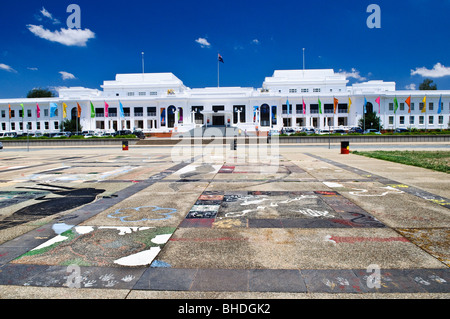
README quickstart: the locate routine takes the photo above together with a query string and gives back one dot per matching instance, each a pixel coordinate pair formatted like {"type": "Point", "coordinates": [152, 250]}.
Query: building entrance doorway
{"type": "Point", "coordinates": [218, 120]}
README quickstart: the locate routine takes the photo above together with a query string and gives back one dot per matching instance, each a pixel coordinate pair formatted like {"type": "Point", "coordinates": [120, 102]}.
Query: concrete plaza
{"type": "Point", "coordinates": [211, 222]}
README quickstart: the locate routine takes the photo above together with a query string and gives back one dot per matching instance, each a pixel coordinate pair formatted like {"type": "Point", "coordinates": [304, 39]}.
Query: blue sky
{"type": "Point", "coordinates": [37, 49]}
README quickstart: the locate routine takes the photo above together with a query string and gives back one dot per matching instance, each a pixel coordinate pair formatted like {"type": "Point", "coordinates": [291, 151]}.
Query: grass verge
{"type": "Point", "coordinates": [434, 160]}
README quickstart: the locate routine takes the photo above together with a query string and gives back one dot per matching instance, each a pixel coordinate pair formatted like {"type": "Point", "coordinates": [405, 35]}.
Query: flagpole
{"type": "Point", "coordinates": [218, 71]}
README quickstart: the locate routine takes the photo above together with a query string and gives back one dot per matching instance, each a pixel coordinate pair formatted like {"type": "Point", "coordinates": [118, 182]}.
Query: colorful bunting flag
{"type": "Point", "coordinates": [408, 102]}
{"type": "Point", "coordinates": [53, 109]}
{"type": "Point", "coordinates": [122, 113]}
{"type": "Point", "coordinates": [440, 105]}
{"type": "Point", "coordinates": [64, 110]}
{"type": "Point", "coordinates": [78, 110]}
{"type": "Point", "coordinates": [336, 102]}
{"type": "Point", "coordinates": [395, 105]}
{"type": "Point", "coordinates": [38, 111]}
{"type": "Point", "coordinates": [424, 101]}
{"type": "Point", "coordinates": [378, 100]}
{"type": "Point", "coordinates": [92, 111]}
{"type": "Point", "coordinates": [320, 106]}
{"type": "Point", "coordinates": [106, 109]}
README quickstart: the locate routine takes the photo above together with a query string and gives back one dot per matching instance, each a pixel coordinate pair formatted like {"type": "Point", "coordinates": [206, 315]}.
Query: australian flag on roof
{"type": "Point", "coordinates": [221, 59]}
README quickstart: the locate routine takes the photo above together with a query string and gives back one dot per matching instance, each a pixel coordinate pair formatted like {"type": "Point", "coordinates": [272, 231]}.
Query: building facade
{"type": "Point", "coordinates": [161, 103]}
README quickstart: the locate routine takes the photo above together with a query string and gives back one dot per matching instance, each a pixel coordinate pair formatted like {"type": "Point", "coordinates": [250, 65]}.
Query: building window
{"type": "Point", "coordinates": [153, 93]}
{"type": "Point", "coordinates": [441, 120]}
{"type": "Point", "coordinates": [391, 106]}
{"type": "Point", "coordinates": [20, 126]}
{"type": "Point", "coordinates": [3, 126]}
{"type": "Point", "coordinates": [38, 125]}
{"type": "Point", "coordinates": [305, 90]}
{"type": "Point", "coordinates": [411, 120]}
{"type": "Point", "coordinates": [420, 106]}
{"type": "Point", "coordinates": [391, 120]}
{"type": "Point", "coordinates": [46, 125]}
{"type": "Point", "coordinates": [13, 126]}
{"type": "Point", "coordinates": [13, 113]}
{"type": "Point", "coordinates": [293, 90]}
{"type": "Point", "coordinates": [45, 112]}
{"type": "Point", "coordinates": [142, 94]}
{"type": "Point", "coordinates": [3, 113]}
{"type": "Point", "coordinates": [412, 106]}
{"type": "Point", "coordinates": [20, 113]}
{"type": "Point", "coordinates": [431, 119]}
{"type": "Point", "coordinates": [430, 106]}
{"type": "Point", "coordinates": [55, 125]}
{"type": "Point", "coordinates": [316, 90]}
{"type": "Point", "coordinates": [130, 94]}
{"type": "Point", "coordinates": [29, 113]}
{"type": "Point", "coordinates": [402, 120]}
{"type": "Point", "coordinates": [402, 106]}
{"type": "Point", "coordinates": [421, 120]}
{"type": "Point", "coordinates": [29, 126]}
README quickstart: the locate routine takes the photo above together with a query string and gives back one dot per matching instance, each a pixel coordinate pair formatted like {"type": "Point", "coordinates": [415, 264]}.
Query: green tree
{"type": "Point", "coordinates": [427, 85]}
{"type": "Point", "coordinates": [372, 121]}
{"type": "Point", "coordinates": [40, 93]}
{"type": "Point", "coordinates": [71, 125]}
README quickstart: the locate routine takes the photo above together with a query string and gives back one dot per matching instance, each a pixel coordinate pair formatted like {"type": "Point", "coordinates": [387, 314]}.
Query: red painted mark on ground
{"type": "Point", "coordinates": [208, 239]}
{"type": "Point", "coordinates": [1, 255]}
{"type": "Point", "coordinates": [227, 169]}
{"type": "Point", "coordinates": [353, 240]}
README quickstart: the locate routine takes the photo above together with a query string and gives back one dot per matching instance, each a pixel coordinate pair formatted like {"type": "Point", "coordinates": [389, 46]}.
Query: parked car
{"type": "Point", "coordinates": [356, 130]}
{"type": "Point", "coordinates": [371, 130]}
{"type": "Point", "coordinates": [139, 134]}
{"type": "Point", "coordinates": [401, 130]}
{"type": "Point", "coordinates": [289, 131]}
{"type": "Point", "coordinates": [339, 131]}
{"type": "Point", "coordinates": [309, 131]}
{"type": "Point", "coordinates": [58, 135]}
{"type": "Point", "coordinates": [1, 145]}
{"type": "Point", "coordinates": [123, 132]}
{"type": "Point", "coordinates": [323, 132]}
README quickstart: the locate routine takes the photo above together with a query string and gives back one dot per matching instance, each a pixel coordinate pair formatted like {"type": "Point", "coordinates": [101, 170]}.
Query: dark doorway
{"type": "Point", "coordinates": [265, 115]}
{"type": "Point", "coordinates": [218, 120]}
{"type": "Point", "coordinates": [171, 116]}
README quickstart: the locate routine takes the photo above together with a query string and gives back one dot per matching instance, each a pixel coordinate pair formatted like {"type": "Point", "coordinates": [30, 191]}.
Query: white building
{"type": "Point", "coordinates": [161, 103]}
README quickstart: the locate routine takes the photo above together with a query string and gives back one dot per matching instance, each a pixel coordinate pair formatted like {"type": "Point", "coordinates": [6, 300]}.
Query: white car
{"type": "Point", "coordinates": [323, 132]}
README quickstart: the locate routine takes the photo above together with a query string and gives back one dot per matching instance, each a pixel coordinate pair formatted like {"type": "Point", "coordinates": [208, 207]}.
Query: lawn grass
{"type": "Point", "coordinates": [435, 160]}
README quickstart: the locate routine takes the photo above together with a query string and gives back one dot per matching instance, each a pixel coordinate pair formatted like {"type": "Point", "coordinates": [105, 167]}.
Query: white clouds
{"type": "Point", "coordinates": [48, 15]}
{"type": "Point", "coordinates": [255, 41]}
{"type": "Point", "coordinates": [353, 74]}
{"type": "Point", "coordinates": [68, 37]}
{"type": "Point", "coordinates": [411, 86]}
{"type": "Point", "coordinates": [203, 42]}
{"type": "Point", "coordinates": [7, 68]}
{"type": "Point", "coordinates": [67, 75]}
{"type": "Point", "coordinates": [32, 69]}
{"type": "Point", "coordinates": [438, 71]}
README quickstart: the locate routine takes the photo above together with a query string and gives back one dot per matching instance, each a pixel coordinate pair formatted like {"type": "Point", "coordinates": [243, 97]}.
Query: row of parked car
{"type": "Point", "coordinates": [310, 131]}
{"type": "Point", "coordinates": [86, 134]}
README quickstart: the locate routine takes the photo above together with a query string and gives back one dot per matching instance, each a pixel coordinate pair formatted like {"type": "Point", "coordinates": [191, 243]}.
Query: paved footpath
{"type": "Point", "coordinates": [163, 222]}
